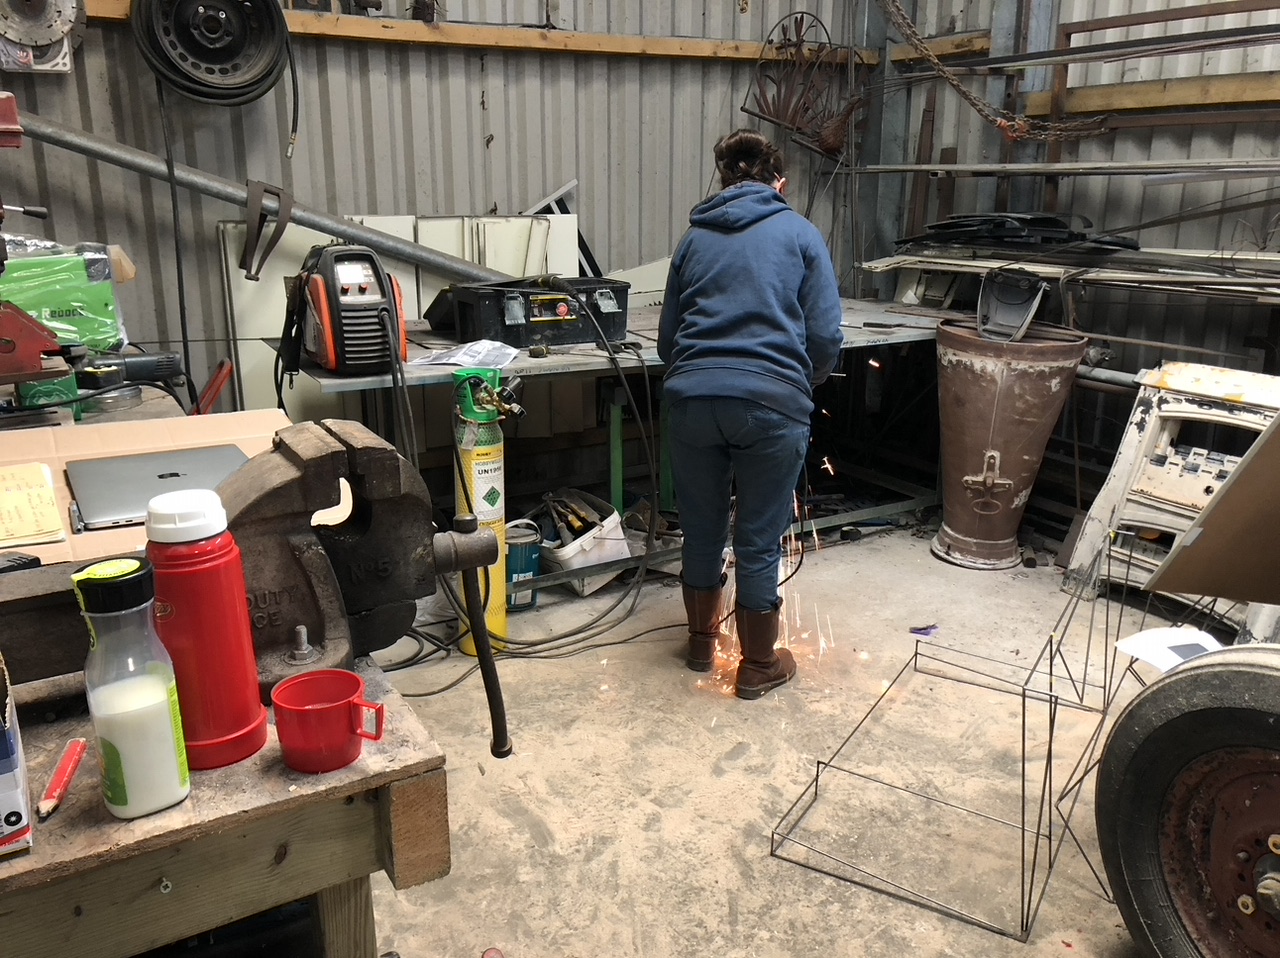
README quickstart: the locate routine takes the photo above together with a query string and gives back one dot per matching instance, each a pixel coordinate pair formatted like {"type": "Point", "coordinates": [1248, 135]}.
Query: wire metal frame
{"type": "Point", "coordinates": [1052, 685]}
{"type": "Point", "coordinates": [1036, 831]}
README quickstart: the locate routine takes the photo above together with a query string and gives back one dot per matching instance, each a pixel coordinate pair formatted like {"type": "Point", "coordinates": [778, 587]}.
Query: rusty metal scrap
{"type": "Point", "coordinates": [799, 86]}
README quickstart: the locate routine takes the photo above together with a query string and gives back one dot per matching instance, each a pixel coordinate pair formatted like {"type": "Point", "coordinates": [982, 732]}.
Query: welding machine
{"type": "Point", "coordinates": [345, 311]}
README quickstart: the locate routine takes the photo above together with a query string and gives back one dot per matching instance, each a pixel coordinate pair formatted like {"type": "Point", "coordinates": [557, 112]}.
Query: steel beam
{"type": "Point", "coordinates": [148, 164]}
{"type": "Point", "coordinates": [1226, 167]}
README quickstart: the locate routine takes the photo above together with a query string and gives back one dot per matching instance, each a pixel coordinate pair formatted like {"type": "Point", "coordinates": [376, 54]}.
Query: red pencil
{"type": "Point", "coordinates": [62, 776]}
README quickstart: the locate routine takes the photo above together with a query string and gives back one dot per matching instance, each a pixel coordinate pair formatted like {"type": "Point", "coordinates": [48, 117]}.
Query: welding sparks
{"type": "Point", "coordinates": [826, 464]}
{"type": "Point", "coordinates": [791, 635]}
{"type": "Point", "coordinates": [873, 363]}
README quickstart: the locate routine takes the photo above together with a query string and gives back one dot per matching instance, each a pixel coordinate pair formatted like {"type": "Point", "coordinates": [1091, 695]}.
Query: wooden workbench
{"type": "Point", "coordinates": [248, 838]}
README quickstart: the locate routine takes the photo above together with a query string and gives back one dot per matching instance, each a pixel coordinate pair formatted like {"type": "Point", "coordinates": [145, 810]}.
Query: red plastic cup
{"type": "Point", "coordinates": [322, 719]}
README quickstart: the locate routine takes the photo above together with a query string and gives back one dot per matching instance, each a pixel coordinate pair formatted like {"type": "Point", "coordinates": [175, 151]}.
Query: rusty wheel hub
{"type": "Point", "coordinates": [1220, 817]}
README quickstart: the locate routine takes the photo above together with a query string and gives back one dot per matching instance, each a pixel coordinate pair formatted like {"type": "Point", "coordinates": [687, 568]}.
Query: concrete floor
{"type": "Point", "coordinates": [634, 817]}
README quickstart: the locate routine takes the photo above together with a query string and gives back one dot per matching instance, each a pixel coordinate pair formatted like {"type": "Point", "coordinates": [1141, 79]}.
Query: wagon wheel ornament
{"type": "Point", "coordinates": [796, 84]}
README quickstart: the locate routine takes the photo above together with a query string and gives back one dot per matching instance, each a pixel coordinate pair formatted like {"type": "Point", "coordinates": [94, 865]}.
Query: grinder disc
{"type": "Point", "coordinates": [80, 24]}
{"type": "Point", "coordinates": [35, 23]}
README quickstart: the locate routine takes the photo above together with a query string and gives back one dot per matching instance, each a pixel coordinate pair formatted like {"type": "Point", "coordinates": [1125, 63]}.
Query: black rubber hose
{"type": "Point", "coordinates": [500, 745]}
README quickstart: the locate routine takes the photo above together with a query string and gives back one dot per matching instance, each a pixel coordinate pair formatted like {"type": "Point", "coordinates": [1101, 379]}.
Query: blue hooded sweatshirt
{"type": "Point", "coordinates": [752, 307]}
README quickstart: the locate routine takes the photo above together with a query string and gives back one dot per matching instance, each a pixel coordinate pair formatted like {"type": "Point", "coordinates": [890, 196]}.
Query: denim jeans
{"type": "Point", "coordinates": [724, 445]}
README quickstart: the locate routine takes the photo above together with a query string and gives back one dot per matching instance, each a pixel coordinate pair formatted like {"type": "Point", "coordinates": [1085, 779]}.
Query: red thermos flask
{"type": "Point", "coordinates": [203, 621]}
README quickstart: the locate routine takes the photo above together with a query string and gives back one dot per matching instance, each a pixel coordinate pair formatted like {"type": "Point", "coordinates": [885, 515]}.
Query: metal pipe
{"type": "Point", "coordinates": [1094, 377]}
{"type": "Point", "coordinates": [148, 164]}
{"type": "Point", "coordinates": [1136, 48]}
{"type": "Point", "coordinates": [1224, 167]}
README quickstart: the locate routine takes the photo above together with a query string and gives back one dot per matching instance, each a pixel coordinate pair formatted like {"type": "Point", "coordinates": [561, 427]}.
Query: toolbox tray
{"type": "Point", "coordinates": [522, 313]}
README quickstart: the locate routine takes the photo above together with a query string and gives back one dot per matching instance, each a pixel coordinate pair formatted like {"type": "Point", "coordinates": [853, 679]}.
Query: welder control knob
{"type": "Point", "coordinates": [345, 290]}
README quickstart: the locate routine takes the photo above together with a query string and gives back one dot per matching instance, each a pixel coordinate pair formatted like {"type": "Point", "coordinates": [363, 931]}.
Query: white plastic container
{"type": "Point", "coordinates": [132, 692]}
{"type": "Point", "coordinates": [604, 543]}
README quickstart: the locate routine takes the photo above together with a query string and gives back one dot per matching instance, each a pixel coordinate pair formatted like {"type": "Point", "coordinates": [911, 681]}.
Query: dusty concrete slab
{"type": "Point", "coordinates": [634, 817]}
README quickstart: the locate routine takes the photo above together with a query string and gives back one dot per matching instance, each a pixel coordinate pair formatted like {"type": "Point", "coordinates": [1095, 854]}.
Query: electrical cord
{"type": "Point", "coordinates": [183, 322]}
{"type": "Point", "coordinates": [94, 393]}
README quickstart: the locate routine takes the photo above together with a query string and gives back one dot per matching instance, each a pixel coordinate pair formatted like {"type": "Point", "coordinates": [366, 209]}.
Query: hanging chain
{"type": "Point", "coordinates": [1015, 126]}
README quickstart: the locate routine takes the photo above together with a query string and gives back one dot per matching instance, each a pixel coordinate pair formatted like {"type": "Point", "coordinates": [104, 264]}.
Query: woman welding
{"type": "Point", "coordinates": [750, 324]}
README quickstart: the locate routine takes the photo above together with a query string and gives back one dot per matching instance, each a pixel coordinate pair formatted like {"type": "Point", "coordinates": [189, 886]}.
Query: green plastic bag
{"type": "Point", "coordinates": [70, 290]}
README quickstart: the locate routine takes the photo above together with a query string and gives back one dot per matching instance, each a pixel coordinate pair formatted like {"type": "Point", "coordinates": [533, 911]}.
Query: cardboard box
{"type": "Point", "coordinates": [252, 431]}
{"type": "Point", "coordinates": [15, 812]}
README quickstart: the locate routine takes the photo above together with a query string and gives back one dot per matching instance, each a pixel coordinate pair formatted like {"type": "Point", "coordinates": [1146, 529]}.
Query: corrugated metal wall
{"type": "Point", "coordinates": [389, 129]}
{"type": "Point", "coordinates": [1113, 202]}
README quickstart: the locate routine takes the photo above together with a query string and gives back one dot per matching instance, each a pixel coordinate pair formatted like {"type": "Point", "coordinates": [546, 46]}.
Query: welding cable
{"type": "Point", "coordinates": [401, 408]}
{"type": "Point", "coordinates": [444, 688]}
{"type": "Point", "coordinates": [397, 395]}
{"type": "Point", "coordinates": [293, 83]}
{"type": "Point", "coordinates": [419, 655]}
{"type": "Point", "coordinates": [813, 526]}
{"type": "Point", "coordinates": [453, 684]}
{"type": "Point", "coordinates": [596, 625]}
{"type": "Point", "coordinates": [428, 645]}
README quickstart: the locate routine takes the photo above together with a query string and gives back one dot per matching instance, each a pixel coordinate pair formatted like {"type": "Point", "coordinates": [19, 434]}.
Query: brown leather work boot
{"type": "Point", "coordinates": [703, 609]}
{"type": "Point", "coordinates": [763, 668]}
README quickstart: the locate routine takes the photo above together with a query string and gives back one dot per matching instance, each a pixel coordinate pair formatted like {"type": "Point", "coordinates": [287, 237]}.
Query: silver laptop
{"type": "Point", "coordinates": [115, 490]}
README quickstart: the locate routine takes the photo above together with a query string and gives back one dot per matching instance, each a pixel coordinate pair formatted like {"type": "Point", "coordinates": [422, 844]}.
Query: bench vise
{"type": "Point", "coordinates": [349, 585]}
{"type": "Point", "coordinates": [352, 585]}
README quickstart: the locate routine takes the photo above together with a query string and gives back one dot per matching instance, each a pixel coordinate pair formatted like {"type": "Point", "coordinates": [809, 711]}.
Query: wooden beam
{"type": "Point", "coordinates": [344, 916]}
{"type": "Point", "coordinates": [528, 40]}
{"type": "Point", "coordinates": [1180, 92]}
{"type": "Point", "coordinates": [959, 44]}
{"type": "Point", "coordinates": [415, 829]}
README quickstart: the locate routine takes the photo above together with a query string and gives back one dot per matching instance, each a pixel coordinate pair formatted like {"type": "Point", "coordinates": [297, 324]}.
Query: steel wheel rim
{"type": "Point", "coordinates": [1218, 816]}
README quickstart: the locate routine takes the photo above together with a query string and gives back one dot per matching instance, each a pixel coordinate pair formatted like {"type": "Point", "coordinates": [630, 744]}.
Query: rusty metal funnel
{"type": "Point", "coordinates": [998, 403]}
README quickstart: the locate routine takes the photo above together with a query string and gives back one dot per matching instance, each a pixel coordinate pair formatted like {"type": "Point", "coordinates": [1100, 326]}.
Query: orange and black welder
{"type": "Point", "coordinates": [346, 312]}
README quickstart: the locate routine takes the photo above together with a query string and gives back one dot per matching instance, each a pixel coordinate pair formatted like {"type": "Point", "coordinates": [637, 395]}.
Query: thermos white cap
{"type": "Point", "coordinates": [185, 516]}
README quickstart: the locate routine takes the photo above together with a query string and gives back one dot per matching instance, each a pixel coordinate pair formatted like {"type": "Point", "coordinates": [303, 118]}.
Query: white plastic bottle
{"type": "Point", "coordinates": [133, 698]}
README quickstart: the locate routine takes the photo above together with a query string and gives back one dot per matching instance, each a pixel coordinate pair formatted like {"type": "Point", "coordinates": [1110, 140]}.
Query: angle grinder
{"type": "Point", "coordinates": [108, 371]}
